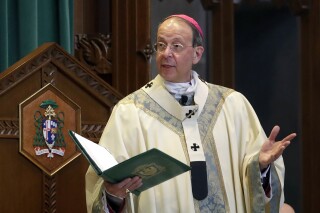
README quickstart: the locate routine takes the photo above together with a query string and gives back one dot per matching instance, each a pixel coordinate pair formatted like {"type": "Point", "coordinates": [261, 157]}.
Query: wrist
{"type": "Point", "coordinates": [114, 201]}
{"type": "Point", "coordinates": [263, 167]}
{"type": "Point", "coordinates": [113, 197]}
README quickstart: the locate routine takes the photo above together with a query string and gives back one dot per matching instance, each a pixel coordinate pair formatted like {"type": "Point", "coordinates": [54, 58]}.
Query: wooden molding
{"type": "Point", "coordinates": [9, 128]}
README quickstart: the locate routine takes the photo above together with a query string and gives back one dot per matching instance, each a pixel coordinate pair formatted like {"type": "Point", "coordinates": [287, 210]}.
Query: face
{"type": "Point", "coordinates": [172, 66]}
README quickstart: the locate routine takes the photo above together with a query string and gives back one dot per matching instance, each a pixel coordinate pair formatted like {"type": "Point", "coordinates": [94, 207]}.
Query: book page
{"type": "Point", "coordinates": [100, 155]}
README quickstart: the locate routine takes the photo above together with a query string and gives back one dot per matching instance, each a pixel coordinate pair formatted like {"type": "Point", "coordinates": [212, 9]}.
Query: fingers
{"type": "Point", "coordinates": [124, 182]}
{"type": "Point", "coordinates": [286, 141]}
{"type": "Point", "coordinates": [133, 184]}
{"type": "Point", "coordinates": [271, 150]}
{"type": "Point", "coordinates": [274, 133]}
{"type": "Point", "coordinates": [290, 137]}
{"type": "Point", "coordinates": [284, 144]}
{"type": "Point", "coordinates": [122, 188]}
{"type": "Point", "coordinates": [282, 147]}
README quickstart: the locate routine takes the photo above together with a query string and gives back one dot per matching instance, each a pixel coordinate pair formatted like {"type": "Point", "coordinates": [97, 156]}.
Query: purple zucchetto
{"type": "Point", "coordinates": [190, 20]}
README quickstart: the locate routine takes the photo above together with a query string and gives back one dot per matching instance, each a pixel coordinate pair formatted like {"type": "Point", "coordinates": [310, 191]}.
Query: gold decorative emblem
{"type": "Point", "coordinates": [148, 170]}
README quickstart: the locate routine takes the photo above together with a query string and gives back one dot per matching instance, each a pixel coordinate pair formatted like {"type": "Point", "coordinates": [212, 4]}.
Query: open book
{"type": "Point", "coordinates": [153, 166]}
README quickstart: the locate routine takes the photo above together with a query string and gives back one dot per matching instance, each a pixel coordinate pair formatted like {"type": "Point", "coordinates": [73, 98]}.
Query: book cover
{"type": "Point", "coordinates": [153, 166]}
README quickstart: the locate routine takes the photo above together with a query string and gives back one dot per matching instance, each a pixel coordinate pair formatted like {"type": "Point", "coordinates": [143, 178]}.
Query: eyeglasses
{"type": "Point", "coordinates": [160, 47]}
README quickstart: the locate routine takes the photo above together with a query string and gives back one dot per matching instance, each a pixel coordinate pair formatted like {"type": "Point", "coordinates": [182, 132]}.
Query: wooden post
{"type": "Point", "coordinates": [222, 40]}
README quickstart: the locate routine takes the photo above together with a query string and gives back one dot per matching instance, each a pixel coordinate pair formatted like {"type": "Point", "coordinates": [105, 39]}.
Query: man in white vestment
{"type": "Point", "coordinates": [235, 167]}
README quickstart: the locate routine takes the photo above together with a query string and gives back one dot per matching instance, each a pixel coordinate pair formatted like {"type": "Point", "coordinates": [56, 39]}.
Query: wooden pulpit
{"type": "Point", "coordinates": [42, 96]}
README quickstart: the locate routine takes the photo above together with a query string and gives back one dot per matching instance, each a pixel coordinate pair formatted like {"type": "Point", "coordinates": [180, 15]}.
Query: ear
{"type": "Point", "coordinates": [197, 54]}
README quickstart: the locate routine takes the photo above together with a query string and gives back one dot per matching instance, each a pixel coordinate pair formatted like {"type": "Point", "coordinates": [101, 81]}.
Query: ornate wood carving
{"type": "Point", "coordinates": [49, 193]}
{"type": "Point", "coordinates": [95, 51]}
{"type": "Point", "coordinates": [62, 192]}
{"type": "Point", "coordinates": [9, 128]}
{"type": "Point", "coordinates": [147, 52]}
{"type": "Point", "coordinates": [92, 131]}
{"type": "Point", "coordinates": [84, 76]}
{"type": "Point", "coordinates": [13, 78]}
{"type": "Point", "coordinates": [57, 55]}
{"type": "Point", "coordinates": [127, 23]}
{"type": "Point", "coordinates": [49, 74]}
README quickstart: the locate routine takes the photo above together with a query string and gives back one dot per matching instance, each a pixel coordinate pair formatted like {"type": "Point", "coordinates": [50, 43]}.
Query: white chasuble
{"type": "Point", "coordinates": [228, 131]}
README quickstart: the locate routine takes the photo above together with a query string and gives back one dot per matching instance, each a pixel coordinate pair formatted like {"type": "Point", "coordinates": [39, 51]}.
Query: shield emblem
{"type": "Point", "coordinates": [49, 138]}
{"type": "Point", "coordinates": [49, 130]}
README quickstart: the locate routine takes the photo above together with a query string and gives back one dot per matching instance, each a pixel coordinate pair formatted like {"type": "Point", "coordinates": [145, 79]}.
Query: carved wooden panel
{"type": "Point", "coordinates": [222, 39]}
{"type": "Point", "coordinates": [24, 185]}
{"type": "Point", "coordinates": [95, 51]}
{"type": "Point", "coordinates": [131, 44]}
{"type": "Point", "coordinates": [123, 25]}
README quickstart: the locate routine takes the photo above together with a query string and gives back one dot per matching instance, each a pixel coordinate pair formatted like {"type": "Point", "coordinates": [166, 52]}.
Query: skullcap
{"type": "Point", "coordinates": [189, 20]}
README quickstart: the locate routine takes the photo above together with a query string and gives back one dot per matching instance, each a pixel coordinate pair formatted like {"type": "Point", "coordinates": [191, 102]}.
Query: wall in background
{"type": "Point", "coordinates": [267, 73]}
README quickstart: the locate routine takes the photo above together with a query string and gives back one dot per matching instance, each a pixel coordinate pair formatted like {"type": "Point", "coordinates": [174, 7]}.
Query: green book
{"type": "Point", "coordinates": [153, 166]}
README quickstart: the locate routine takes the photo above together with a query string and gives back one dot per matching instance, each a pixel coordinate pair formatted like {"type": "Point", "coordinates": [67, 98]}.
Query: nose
{"type": "Point", "coordinates": [168, 51]}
